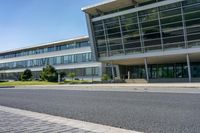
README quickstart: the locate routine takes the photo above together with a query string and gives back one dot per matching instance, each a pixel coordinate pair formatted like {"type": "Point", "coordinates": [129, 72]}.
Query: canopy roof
{"type": "Point", "coordinates": [109, 5]}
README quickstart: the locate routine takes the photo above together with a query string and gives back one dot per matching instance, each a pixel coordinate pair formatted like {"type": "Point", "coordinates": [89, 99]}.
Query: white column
{"type": "Point", "coordinates": [146, 69]}
{"type": "Point", "coordinates": [91, 37]}
{"type": "Point", "coordinates": [59, 78]}
{"type": "Point", "coordinates": [92, 74]}
{"type": "Point", "coordinates": [101, 67]}
{"type": "Point", "coordinates": [117, 71]}
{"type": "Point", "coordinates": [113, 72]}
{"type": "Point", "coordinates": [189, 69]}
{"type": "Point", "coordinates": [106, 40]}
{"type": "Point", "coordinates": [129, 75]}
{"type": "Point", "coordinates": [140, 33]}
{"type": "Point", "coordinates": [160, 28]}
{"type": "Point", "coordinates": [122, 36]}
{"type": "Point", "coordinates": [184, 27]}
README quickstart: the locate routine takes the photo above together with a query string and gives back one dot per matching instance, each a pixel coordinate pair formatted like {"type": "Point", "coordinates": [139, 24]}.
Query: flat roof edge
{"type": "Point", "coordinates": [98, 4]}
{"type": "Point", "coordinates": [45, 44]}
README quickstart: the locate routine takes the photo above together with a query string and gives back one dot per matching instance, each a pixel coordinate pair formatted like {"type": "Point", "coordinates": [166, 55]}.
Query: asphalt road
{"type": "Point", "coordinates": [140, 111]}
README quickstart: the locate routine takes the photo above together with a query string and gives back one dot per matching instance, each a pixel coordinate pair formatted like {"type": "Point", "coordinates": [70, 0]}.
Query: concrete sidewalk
{"type": "Point", "coordinates": [158, 87]}
{"type": "Point", "coordinates": [174, 85]}
{"type": "Point", "coordinates": [18, 121]}
{"type": "Point", "coordinates": [116, 88]}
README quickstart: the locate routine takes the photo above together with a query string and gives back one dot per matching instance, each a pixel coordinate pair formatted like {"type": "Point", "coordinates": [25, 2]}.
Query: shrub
{"type": "Point", "coordinates": [105, 77]}
{"type": "Point", "coordinates": [26, 75]}
{"type": "Point", "coordinates": [72, 75]}
{"type": "Point", "coordinates": [49, 74]}
{"type": "Point", "coordinates": [76, 82]}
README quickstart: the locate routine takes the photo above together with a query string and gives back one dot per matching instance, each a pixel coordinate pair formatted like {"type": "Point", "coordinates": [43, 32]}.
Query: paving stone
{"type": "Point", "coordinates": [13, 123]}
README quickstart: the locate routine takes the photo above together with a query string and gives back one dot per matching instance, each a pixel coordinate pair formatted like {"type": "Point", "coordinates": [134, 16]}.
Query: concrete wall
{"type": "Point", "coordinates": [173, 80]}
{"type": "Point", "coordinates": [169, 80]}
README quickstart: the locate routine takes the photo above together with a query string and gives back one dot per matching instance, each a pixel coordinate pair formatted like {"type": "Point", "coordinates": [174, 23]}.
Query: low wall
{"type": "Point", "coordinates": [95, 78]}
{"type": "Point", "coordinates": [163, 80]}
{"type": "Point", "coordinates": [173, 80]}
{"type": "Point", "coordinates": [195, 79]}
{"type": "Point", "coordinates": [169, 80]}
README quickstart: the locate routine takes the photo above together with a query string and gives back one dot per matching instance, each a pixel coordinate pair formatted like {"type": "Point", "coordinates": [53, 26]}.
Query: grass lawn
{"type": "Point", "coordinates": [20, 83]}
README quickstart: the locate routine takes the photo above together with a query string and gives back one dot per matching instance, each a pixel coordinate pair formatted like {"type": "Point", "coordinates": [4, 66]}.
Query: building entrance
{"type": "Point", "coordinates": [160, 72]}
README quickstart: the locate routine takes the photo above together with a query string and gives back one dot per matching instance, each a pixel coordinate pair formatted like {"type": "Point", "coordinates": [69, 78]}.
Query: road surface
{"type": "Point", "coordinates": [141, 111]}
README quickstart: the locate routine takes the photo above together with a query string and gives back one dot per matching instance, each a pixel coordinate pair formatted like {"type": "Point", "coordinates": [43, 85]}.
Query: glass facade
{"type": "Point", "coordinates": [55, 47]}
{"type": "Point", "coordinates": [80, 72]}
{"type": "Point", "coordinates": [172, 26]}
{"type": "Point", "coordinates": [161, 71]}
{"type": "Point", "coordinates": [58, 60]}
{"type": "Point", "coordinates": [89, 71]}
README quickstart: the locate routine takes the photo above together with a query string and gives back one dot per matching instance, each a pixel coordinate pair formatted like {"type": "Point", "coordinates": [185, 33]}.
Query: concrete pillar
{"type": "Point", "coordinates": [92, 74]}
{"type": "Point", "coordinates": [113, 72]}
{"type": "Point", "coordinates": [91, 38]}
{"type": "Point", "coordinates": [129, 75]}
{"type": "Point", "coordinates": [101, 69]}
{"type": "Point", "coordinates": [118, 72]}
{"type": "Point", "coordinates": [146, 69]}
{"type": "Point", "coordinates": [189, 68]}
{"type": "Point", "coordinates": [121, 32]}
{"type": "Point", "coordinates": [59, 78]}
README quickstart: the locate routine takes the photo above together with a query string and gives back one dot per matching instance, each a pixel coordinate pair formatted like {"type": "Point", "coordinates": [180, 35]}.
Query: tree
{"type": "Point", "coordinates": [49, 74]}
{"type": "Point", "coordinates": [72, 75]}
{"type": "Point", "coordinates": [26, 75]}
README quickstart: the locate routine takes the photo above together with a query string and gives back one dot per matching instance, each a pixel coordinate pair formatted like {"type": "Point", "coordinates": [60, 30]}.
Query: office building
{"type": "Point", "coordinates": [154, 40]}
{"type": "Point", "coordinates": [72, 55]}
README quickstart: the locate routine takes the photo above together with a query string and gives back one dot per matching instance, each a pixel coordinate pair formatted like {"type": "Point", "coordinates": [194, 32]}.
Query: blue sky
{"type": "Point", "coordinates": [30, 22]}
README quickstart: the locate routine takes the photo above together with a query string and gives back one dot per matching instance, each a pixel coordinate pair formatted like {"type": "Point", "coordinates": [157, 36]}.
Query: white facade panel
{"type": "Point", "coordinates": [58, 67]}
{"type": "Point", "coordinates": [48, 54]}
{"type": "Point", "coordinates": [151, 54]}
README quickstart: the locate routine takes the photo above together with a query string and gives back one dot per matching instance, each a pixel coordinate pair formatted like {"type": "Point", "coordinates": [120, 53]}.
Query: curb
{"type": "Point", "coordinates": [7, 86]}
{"type": "Point", "coordinates": [120, 85]}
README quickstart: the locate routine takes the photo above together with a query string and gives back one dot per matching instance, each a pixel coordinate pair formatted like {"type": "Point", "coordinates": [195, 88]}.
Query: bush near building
{"type": "Point", "coordinates": [26, 75]}
{"type": "Point", "coordinates": [71, 75]}
{"type": "Point", "coordinates": [22, 83]}
{"type": "Point", "coordinates": [77, 82]}
{"type": "Point", "coordinates": [49, 74]}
